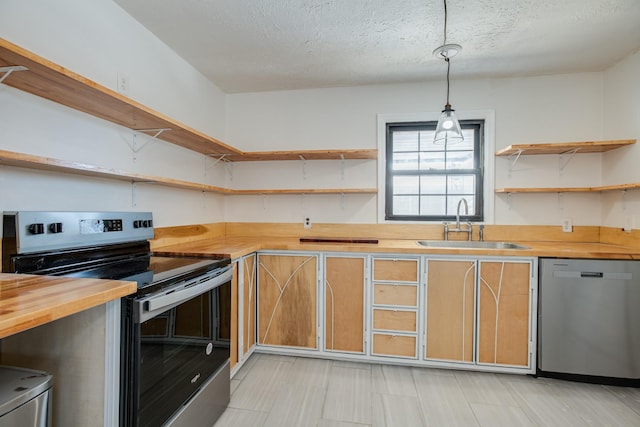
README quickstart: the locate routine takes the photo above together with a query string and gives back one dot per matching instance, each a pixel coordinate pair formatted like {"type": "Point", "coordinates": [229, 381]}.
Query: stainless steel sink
{"type": "Point", "coordinates": [455, 244]}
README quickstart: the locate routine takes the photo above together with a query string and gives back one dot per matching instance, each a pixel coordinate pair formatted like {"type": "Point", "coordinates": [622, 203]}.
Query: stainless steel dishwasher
{"type": "Point", "coordinates": [589, 320]}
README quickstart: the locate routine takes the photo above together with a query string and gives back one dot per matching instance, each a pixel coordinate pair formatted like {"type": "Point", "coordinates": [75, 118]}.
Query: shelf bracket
{"type": "Point", "coordinates": [509, 195]}
{"type": "Point", "coordinates": [342, 201]}
{"type": "Point", "coordinates": [624, 199]}
{"type": "Point", "coordinates": [8, 70]}
{"type": "Point", "coordinates": [342, 166]}
{"type": "Point", "coordinates": [264, 202]}
{"type": "Point", "coordinates": [217, 158]}
{"type": "Point", "coordinates": [135, 149]}
{"type": "Point", "coordinates": [513, 159]}
{"type": "Point", "coordinates": [156, 131]}
{"type": "Point", "coordinates": [565, 158]}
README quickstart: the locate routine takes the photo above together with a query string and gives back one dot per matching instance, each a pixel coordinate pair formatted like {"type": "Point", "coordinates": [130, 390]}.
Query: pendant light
{"type": "Point", "coordinates": [448, 130]}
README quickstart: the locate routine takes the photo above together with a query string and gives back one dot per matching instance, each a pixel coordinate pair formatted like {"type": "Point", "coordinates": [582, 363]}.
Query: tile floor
{"type": "Point", "coordinates": [294, 391]}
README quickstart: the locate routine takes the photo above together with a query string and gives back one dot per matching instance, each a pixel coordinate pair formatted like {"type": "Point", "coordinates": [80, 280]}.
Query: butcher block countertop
{"type": "Point", "coordinates": [235, 247]}
{"type": "Point", "coordinates": [27, 301]}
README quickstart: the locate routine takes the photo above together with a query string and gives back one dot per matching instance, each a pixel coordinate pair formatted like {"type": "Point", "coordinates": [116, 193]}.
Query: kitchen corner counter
{"type": "Point", "coordinates": [235, 247]}
{"type": "Point", "coordinates": [229, 247]}
{"type": "Point", "coordinates": [27, 301]}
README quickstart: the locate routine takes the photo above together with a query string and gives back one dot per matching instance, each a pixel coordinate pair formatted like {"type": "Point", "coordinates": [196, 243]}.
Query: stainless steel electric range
{"type": "Point", "coordinates": [175, 330]}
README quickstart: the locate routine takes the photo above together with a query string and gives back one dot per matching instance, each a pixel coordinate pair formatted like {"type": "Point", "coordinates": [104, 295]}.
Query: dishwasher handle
{"type": "Point", "coordinates": [592, 275]}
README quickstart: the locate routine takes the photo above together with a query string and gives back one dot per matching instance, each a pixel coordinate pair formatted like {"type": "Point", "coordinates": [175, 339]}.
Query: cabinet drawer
{"type": "Point", "coordinates": [406, 295]}
{"type": "Point", "coordinates": [395, 270]}
{"type": "Point", "coordinates": [395, 320]}
{"type": "Point", "coordinates": [394, 345]}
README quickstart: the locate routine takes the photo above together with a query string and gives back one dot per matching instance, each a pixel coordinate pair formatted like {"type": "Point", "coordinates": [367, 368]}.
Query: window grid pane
{"type": "Point", "coordinates": [427, 181]}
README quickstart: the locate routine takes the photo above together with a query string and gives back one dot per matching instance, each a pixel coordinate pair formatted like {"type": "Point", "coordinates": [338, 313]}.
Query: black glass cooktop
{"type": "Point", "coordinates": [133, 262]}
{"type": "Point", "coordinates": [153, 272]}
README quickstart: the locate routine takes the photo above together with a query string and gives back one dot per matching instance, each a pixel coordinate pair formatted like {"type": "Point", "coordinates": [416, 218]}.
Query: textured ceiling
{"type": "Point", "coordinates": [261, 45]}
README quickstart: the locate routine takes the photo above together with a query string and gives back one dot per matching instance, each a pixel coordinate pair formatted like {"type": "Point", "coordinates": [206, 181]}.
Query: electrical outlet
{"type": "Point", "coordinates": [567, 225]}
{"type": "Point", "coordinates": [306, 222]}
{"type": "Point", "coordinates": [123, 83]}
{"type": "Point", "coordinates": [628, 223]}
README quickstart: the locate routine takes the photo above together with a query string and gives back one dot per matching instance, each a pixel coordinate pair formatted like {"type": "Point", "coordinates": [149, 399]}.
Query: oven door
{"type": "Point", "coordinates": [174, 343]}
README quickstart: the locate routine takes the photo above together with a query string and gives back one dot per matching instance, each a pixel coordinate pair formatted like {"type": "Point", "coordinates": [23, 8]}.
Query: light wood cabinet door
{"type": "Point", "coordinates": [504, 311]}
{"type": "Point", "coordinates": [344, 304]}
{"type": "Point", "coordinates": [249, 302]}
{"type": "Point", "coordinates": [287, 300]}
{"type": "Point", "coordinates": [450, 310]}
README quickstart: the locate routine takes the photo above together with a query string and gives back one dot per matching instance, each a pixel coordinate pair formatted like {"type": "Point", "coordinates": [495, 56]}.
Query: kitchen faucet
{"type": "Point", "coordinates": [466, 211]}
{"type": "Point", "coordinates": [469, 228]}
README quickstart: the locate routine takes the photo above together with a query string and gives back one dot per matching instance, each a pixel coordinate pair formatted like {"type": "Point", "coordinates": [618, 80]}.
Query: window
{"type": "Point", "coordinates": [425, 181]}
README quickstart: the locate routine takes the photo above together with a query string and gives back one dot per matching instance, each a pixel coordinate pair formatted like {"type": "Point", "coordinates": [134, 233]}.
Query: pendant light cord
{"type": "Point", "coordinates": [446, 56]}
{"type": "Point", "coordinates": [445, 22]}
{"type": "Point", "coordinates": [448, 67]}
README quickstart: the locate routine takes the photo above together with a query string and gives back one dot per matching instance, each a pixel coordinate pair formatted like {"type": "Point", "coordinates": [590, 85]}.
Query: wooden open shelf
{"type": "Point", "coordinates": [600, 189]}
{"type": "Point", "coordinates": [545, 190]}
{"type": "Point", "coordinates": [564, 147]}
{"type": "Point", "coordinates": [254, 156]}
{"type": "Point", "coordinates": [10, 158]}
{"type": "Point", "coordinates": [55, 83]}
{"type": "Point", "coordinates": [307, 191]}
{"type": "Point", "coordinates": [568, 148]}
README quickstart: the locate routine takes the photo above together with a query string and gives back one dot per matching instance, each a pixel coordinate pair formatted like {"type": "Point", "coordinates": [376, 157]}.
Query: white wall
{"type": "Point", "coordinates": [527, 110]}
{"type": "Point", "coordinates": [622, 120]}
{"type": "Point", "coordinates": [98, 40]}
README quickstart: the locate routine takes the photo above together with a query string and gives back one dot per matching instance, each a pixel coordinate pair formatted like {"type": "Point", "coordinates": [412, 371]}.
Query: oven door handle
{"type": "Point", "coordinates": [163, 302]}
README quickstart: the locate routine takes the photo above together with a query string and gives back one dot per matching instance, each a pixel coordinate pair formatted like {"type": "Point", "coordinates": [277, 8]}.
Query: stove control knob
{"type": "Point", "coordinates": [142, 223]}
{"type": "Point", "coordinates": [37, 228]}
{"type": "Point", "coordinates": [55, 227]}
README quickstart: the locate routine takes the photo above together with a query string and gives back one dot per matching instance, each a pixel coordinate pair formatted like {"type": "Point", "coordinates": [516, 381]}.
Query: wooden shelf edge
{"type": "Point", "coordinates": [545, 190]}
{"type": "Point", "coordinates": [600, 189]}
{"type": "Point", "coordinates": [306, 191]}
{"type": "Point", "coordinates": [253, 156]}
{"type": "Point", "coordinates": [618, 187]}
{"type": "Point", "coordinates": [564, 147]}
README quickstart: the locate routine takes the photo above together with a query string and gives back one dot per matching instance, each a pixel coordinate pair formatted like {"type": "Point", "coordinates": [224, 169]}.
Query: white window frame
{"type": "Point", "coordinates": [489, 158]}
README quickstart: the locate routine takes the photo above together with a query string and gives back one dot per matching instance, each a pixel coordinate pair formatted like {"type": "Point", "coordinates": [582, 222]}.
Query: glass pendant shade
{"type": "Point", "coordinates": [448, 130]}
